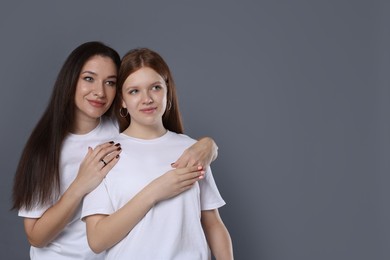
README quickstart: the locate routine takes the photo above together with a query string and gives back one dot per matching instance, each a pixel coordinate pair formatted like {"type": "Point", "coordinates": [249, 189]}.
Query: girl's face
{"type": "Point", "coordinates": [95, 90]}
{"type": "Point", "coordinates": [144, 95]}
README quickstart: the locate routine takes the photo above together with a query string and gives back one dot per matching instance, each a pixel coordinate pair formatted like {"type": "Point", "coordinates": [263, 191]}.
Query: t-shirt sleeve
{"type": "Point", "coordinates": [210, 198]}
{"type": "Point", "coordinates": [97, 202]}
{"type": "Point", "coordinates": [35, 212]}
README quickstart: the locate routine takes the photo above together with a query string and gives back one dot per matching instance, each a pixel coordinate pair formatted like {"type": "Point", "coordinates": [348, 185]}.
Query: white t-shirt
{"type": "Point", "coordinates": [72, 243]}
{"type": "Point", "coordinates": [171, 229]}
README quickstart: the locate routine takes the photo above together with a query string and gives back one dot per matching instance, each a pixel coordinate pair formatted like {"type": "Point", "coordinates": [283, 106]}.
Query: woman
{"type": "Point", "coordinates": [171, 223]}
{"type": "Point", "coordinates": [58, 166]}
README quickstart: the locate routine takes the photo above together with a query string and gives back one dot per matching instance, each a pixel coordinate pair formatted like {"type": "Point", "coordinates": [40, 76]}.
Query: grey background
{"type": "Point", "coordinates": [295, 93]}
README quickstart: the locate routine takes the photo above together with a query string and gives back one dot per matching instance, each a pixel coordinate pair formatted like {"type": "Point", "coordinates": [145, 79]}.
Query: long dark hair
{"type": "Point", "coordinates": [37, 178]}
{"type": "Point", "coordinates": [144, 57]}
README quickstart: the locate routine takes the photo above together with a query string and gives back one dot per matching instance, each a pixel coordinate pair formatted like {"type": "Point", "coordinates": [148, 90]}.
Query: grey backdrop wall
{"type": "Point", "coordinates": [295, 93]}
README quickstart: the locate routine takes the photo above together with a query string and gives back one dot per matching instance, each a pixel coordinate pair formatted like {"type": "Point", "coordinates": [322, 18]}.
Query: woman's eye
{"type": "Point", "coordinates": [157, 87]}
{"type": "Point", "coordinates": [88, 78]}
{"type": "Point", "coordinates": [111, 83]}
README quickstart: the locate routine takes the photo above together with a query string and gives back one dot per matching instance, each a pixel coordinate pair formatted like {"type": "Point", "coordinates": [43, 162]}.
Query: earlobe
{"type": "Point", "coordinates": [123, 104]}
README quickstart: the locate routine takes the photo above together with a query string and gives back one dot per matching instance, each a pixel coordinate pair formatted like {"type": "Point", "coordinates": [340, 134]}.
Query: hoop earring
{"type": "Point", "coordinates": [169, 105]}
{"type": "Point", "coordinates": [121, 113]}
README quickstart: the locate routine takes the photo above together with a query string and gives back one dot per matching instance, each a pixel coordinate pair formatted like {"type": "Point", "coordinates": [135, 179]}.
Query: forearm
{"type": "Point", "coordinates": [220, 243]}
{"type": "Point", "coordinates": [217, 235]}
{"type": "Point", "coordinates": [105, 231]}
{"type": "Point", "coordinates": [43, 230]}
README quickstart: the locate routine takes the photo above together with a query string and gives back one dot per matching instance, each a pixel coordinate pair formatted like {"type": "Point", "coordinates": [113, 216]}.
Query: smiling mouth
{"type": "Point", "coordinates": [96, 103]}
{"type": "Point", "coordinates": [148, 110]}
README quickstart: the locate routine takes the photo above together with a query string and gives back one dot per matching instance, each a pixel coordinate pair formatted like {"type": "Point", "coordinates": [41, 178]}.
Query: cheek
{"type": "Point", "coordinates": [110, 93]}
{"type": "Point", "coordinates": [130, 102]}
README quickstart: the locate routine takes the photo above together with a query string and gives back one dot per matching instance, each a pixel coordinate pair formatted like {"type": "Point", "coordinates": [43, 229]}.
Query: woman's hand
{"type": "Point", "coordinates": [201, 153]}
{"type": "Point", "coordinates": [95, 166]}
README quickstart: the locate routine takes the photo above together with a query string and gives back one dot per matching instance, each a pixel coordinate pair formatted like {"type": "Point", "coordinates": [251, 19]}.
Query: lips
{"type": "Point", "coordinates": [148, 110]}
{"type": "Point", "coordinates": [96, 103]}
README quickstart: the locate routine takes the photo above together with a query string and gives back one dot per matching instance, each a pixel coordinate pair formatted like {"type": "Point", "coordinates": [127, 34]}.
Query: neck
{"type": "Point", "coordinates": [145, 132]}
{"type": "Point", "coordinates": [84, 126]}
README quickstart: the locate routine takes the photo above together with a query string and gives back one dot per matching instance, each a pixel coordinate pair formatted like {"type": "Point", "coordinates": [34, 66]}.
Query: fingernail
{"type": "Point", "coordinates": [200, 167]}
{"type": "Point", "coordinates": [118, 149]}
{"type": "Point", "coordinates": [111, 142]}
{"type": "Point", "coordinates": [118, 144]}
{"type": "Point", "coordinates": [172, 164]}
{"type": "Point", "coordinates": [117, 156]}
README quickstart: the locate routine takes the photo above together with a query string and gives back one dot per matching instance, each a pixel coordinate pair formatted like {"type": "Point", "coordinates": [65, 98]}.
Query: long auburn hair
{"type": "Point", "coordinates": [37, 178]}
{"type": "Point", "coordinates": [144, 57]}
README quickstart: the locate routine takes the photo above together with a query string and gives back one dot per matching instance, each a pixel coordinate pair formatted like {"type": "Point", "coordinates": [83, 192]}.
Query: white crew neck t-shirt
{"type": "Point", "coordinates": [171, 229]}
{"type": "Point", "coordinates": [71, 243]}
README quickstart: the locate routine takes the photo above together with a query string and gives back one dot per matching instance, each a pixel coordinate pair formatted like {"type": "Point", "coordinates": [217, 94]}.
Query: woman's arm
{"type": "Point", "coordinates": [203, 152]}
{"type": "Point", "coordinates": [41, 231]}
{"type": "Point", "coordinates": [217, 235]}
{"type": "Point", "coordinates": [104, 231]}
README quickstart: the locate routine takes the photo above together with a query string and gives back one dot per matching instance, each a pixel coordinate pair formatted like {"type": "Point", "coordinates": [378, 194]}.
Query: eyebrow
{"type": "Point", "coordinates": [94, 73]}
{"type": "Point", "coordinates": [151, 84]}
{"type": "Point", "coordinates": [158, 82]}
{"type": "Point", "coordinates": [88, 71]}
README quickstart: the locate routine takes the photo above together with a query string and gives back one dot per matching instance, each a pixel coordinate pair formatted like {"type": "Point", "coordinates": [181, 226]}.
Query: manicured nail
{"type": "Point", "coordinates": [117, 156]}
{"type": "Point", "coordinates": [118, 144]}
{"type": "Point", "coordinates": [118, 149]}
{"type": "Point", "coordinates": [200, 167]}
{"type": "Point", "coordinates": [111, 142]}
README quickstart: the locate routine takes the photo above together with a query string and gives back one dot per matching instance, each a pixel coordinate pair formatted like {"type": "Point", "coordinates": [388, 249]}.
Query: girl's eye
{"type": "Point", "coordinates": [88, 78]}
{"type": "Point", "coordinates": [157, 87]}
{"type": "Point", "coordinates": [133, 92]}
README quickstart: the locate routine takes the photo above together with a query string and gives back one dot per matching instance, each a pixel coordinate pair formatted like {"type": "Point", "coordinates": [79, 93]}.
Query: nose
{"type": "Point", "coordinates": [99, 90]}
{"type": "Point", "coordinates": [147, 99]}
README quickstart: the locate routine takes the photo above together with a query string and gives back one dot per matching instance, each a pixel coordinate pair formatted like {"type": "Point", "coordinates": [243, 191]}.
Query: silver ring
{"type": "Point", "coordinates": [103, 162]}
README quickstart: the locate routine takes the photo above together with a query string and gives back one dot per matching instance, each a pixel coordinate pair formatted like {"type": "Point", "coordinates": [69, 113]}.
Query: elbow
{"type": "Point", "coordinates": [37, 243]}
{"type": "Point", "coordinates": [96, 250]}
{"type": "Point", "coordinates": [95, 246]}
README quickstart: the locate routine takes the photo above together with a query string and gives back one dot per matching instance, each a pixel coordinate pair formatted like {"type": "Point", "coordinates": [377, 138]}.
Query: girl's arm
{"type": "Point", "coordinates": [104, 231]}
{"type": "Point", "coordinates": [203, 152]}
{"type": "Point", "coordinates": [217, 235]}
{"type": "Point", "coordinates": [41, 231]}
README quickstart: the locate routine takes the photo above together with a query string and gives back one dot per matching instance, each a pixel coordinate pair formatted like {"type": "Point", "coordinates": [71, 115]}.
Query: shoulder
{"type": "Point", "coordinates": [182, 138]}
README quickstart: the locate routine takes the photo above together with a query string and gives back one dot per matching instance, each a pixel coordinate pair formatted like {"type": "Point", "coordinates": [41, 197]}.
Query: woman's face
{"type": "Point", "coordinates": [144, 95]}
{"type": "Point", "coordinates": [96, 88]}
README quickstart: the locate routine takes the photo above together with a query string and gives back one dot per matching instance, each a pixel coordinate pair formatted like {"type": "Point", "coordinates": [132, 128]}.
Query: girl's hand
{"type": "Point", "coordinates": [175, 182]}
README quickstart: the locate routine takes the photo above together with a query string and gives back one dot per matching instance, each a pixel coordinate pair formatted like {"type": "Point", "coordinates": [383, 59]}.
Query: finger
{"type": "Point", "coordinates": [107, 158]}
{"type": "Point", "coordinates": [192, 163]}
{"type": "Point", "coordinates": [88, 156]}
{"type": "Point", "coordinates": [180, 163]}
{"type": "Point", "coordinates": [101, 147]}
{"type": "Point", "coordinates": [191, 176]}
{"type": "Point", "coordinates": [187, 185]}
{"type": "Point", "coordinates": [106, 169]}
{"type": "Point", "coordinates": [107, 150]}
{"type": "Point", "coordinates": [189, 169]}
